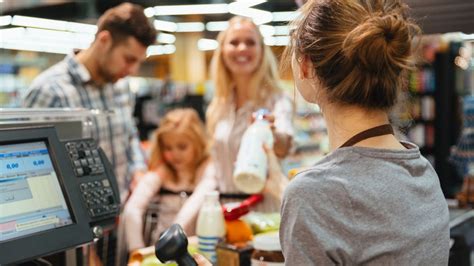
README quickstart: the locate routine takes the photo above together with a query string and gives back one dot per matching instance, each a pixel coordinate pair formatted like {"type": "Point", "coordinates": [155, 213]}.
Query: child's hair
{"type": "Point", "coordinates": [360, 49]}
{"type": "Point", "coordinates": [184, 121]}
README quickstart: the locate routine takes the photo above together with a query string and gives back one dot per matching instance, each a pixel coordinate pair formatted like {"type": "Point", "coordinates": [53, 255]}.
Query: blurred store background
{"type": "Point", "coordinates": [35, 34]}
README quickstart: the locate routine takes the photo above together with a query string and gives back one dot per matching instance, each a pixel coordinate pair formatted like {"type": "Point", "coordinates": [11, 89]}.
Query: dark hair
{"type": "Point", "coordinates": [360, 49]}
{"type": "Point", "coordinates": [127, 20]}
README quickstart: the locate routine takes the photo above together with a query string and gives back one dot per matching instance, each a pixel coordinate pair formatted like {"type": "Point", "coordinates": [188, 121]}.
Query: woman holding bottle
{"type": "Point", "coordinates": [245, 76]}
{"type": "Point", "coordinates": [244, 71]}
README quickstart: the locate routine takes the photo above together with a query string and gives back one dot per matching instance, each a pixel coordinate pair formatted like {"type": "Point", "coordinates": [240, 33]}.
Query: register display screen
{"type": "Point", "coordinates": [31, 199]}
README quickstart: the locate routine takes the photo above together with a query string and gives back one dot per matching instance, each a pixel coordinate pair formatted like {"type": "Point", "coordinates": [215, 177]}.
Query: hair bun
{"type": "Point", "coordinates": [381, 43]}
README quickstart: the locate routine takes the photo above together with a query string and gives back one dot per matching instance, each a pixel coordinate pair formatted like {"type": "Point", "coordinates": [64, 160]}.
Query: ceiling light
{"type": "Point", "coordinates": [166, 38]}
{"type": "Point", "coordinates": [467, 37]}
{"type": "Point", "coordinates": [207, 44]}
{"type": "Point", "coordinates": [217, 25]}
{"type": "Point", "coordinates": [250, 3]}
{"type": "Point", "coordinates": [149, 12]}
{"type": "Point", "coordinates": [285, 16]}
{"type": "Point", "coordinates": [5, 20]}
{"type": "Point", "coordinates": [191, 9]}
{"type": "Point", "coordinates": [43, 37]}
{"type": "Point", "coordinates": [277, 40]}
{"type": "Point", "coordinates": [160, 49]}
{"type": "Point", "coordinates": [281, 30]}
{"type": "Point", "coordinates": [258, 16]}
{"type": "Point", "coordinates": [190, 27]}
{"type": "Point", "coordinates": [35, 47]}
{"type": "Point", "coordinates": [52, 24]}
{"type": "Point", "coordinates": [266, 30]}
{"type": "Point", "coordinates": [38, 23]}
{"type": "Point", "coordinates": [81, 27]}
{"type": "Point", "coordinates": [165, 25]}
{"type": "Point", "coordinates": [41, 40]}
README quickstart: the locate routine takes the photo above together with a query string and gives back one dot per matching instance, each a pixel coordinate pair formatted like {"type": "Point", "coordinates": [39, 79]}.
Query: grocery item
{"type": "Point", "coordinates": [210, 227]}
{"type": "Point", "coordinates": [267, 250]}
{"type": "Point", "coordinates": [263, 222]}
{"type": "Point", "coordinates": [251, 166]}
{"type": "Point", "coordinates": [238, 231]}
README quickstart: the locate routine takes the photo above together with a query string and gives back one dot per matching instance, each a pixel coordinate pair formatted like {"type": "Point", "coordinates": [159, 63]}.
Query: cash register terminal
{"type": "Point", "coordinates": [54, 195]}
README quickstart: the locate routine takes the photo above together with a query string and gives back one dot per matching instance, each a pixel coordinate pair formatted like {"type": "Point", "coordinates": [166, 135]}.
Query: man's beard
{"type": "Point", "coordinates": [106, 75]}
{"type": "Point", "coordinates": [103, 70]}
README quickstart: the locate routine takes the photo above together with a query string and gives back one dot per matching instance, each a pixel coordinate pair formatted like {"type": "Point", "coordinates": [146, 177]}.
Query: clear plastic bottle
{"type": "Point", "coordinates": [251, 166]}
{"type": "Point", "coordinates": [210, 227]}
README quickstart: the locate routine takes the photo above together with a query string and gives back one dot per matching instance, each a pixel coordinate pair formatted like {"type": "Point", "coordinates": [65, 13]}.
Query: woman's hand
{"type": "Point", "coordinates": [276, 181]}
{"type": "Point", "coordinates": [282, 141]}
{"type": "Point", "coordinates": [201, 260]}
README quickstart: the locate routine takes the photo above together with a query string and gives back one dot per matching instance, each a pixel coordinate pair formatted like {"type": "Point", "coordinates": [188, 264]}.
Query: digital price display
{"type": "Point", "coordinates": [30, 195]}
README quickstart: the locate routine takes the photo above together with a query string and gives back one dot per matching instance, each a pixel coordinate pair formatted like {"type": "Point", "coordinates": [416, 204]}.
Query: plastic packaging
{"type": "Point", "coordinates": [251, 166]}
{"type": "Point", "coordinates": [263, 222]}
{"type": "Point", "coordinates": [210, 227]}
{"type": "Point", "coordinates": [234, 210]}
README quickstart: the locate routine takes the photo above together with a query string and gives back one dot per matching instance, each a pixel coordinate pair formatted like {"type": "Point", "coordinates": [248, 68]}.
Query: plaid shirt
{"type": "Point", "coordinates": [69, 84]}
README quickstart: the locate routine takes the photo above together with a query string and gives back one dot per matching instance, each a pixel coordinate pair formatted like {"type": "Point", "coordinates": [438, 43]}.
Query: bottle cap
{"type": "Point", "coordinates": [267, 241]}
{"type": "Point", "coordinates": [260, 113]}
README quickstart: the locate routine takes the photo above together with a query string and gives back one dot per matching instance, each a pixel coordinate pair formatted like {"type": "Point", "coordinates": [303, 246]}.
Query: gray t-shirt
{"type": "Point", "coordinates": [366, 206]}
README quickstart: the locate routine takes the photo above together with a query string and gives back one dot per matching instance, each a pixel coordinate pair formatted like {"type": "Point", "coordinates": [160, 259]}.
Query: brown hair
{"type": "Point", "coordinates": [264, 81]}
{"type": "Point", "coordinates": [360, 49]}
{"type": "Point", "coordinates": [127, 20]}
{"type": "Point", "coordinates": [184, 121]}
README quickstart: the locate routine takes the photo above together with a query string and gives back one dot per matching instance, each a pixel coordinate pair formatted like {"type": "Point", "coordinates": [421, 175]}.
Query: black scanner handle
{"type": "Point", "coordinates": [173, 245]}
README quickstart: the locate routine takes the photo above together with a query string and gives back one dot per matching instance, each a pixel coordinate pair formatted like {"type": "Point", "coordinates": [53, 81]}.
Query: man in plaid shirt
{"type": "Point", "coordinates": [88, 80]}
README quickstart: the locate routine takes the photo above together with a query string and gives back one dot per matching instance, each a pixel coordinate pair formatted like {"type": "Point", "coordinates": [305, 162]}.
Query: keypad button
{"type": "Point", "coordinates": [79, 172]}
{"type": "Point", "coordinates": [81, 154]}
{"type": "Point", "coordinates": [87, 170]}
{"type": "Point", "coordinates": [105, 182]}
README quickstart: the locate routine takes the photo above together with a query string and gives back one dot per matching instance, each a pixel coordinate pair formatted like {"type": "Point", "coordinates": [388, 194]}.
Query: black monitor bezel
{"type": "Point", "coordinates": [50, 241]}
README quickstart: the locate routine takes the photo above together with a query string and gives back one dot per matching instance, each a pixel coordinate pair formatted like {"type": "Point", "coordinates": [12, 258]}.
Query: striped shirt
{"type": "Point", "coordinates": [68, 84]}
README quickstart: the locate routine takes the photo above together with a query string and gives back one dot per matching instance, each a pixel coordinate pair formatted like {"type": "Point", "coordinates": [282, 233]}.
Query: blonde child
{"type": "Point", "coordinates": [178, 161]}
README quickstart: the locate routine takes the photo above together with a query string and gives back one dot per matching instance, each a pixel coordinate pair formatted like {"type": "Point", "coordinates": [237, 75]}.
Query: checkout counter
{"type": "Point", "coordinates": [462, 236]}
{"type": "Point", "coordinates": [57, 191]}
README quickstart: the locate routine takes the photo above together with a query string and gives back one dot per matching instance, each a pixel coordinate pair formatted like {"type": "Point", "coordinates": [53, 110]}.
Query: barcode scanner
{"type": "Point", "coordinates": [173, 246]}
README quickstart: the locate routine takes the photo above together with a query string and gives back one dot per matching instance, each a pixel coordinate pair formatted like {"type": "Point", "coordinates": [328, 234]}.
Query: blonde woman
{"type": "Point", "coordinates": [244, 72]}
{"type": "Point", "coordinates": [245, 76]}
